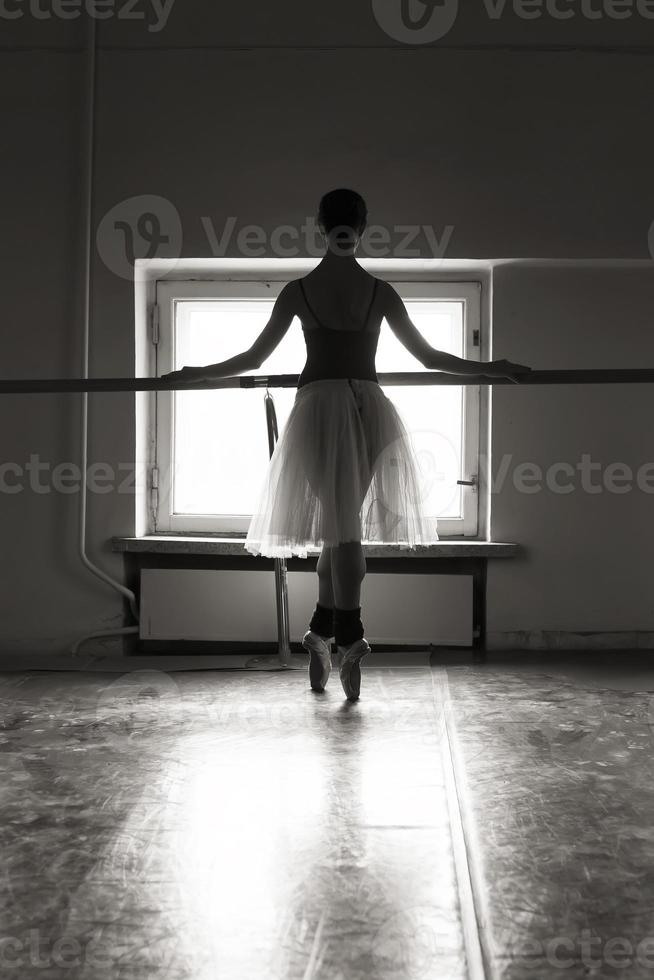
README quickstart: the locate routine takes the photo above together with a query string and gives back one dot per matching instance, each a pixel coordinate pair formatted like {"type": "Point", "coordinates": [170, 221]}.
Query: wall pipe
{"type": "Point", "coordinates": [90, 88]}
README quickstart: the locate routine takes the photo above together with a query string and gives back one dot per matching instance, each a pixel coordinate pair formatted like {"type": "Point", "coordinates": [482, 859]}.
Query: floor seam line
{"type": "Point", "coordinates": [468, 883]}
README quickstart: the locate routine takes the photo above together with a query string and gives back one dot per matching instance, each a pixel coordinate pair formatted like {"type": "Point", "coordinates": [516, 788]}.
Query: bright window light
{"type": "Point", "coordinates": [210, 448]}
{"type": "Point", "coordinates": [220, 441]}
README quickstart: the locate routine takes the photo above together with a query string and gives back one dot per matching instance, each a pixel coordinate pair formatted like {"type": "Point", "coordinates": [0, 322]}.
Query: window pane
{"type": "Point", "coordinates": [220, 437]}
{"type": "Point", "coordinates": [220, 441]}
{"type": "Point", "coordinates": [434, 413]}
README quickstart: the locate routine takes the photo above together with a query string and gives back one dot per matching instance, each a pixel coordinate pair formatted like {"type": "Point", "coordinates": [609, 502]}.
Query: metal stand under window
{"type": "Point", "coordinates": [283, 657]}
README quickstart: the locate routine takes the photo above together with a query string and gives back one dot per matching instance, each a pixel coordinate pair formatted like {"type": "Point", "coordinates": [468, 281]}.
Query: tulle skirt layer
{"type": "Point", "coordinates": [344, 469]}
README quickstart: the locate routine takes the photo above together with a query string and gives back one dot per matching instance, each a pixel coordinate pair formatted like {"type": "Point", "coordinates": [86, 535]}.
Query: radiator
{"type": "Point", "coordinates": [215, 604]}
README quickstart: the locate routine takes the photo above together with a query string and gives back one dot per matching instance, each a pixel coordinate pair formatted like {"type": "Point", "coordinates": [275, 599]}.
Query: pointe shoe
{"type": "Point", "coordinates": [320, 659]}
{"type": "Point", "coordinates": [350, 667]}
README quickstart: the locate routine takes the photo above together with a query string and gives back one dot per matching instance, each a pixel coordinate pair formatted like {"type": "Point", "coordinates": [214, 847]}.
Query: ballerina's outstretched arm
{"type": "Point", "coordinates": [280, 320]}
{"type": "Point", "coordinates": [408, 334]}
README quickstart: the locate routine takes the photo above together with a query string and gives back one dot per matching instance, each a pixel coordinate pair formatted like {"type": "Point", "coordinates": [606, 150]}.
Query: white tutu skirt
{"type": "Point", "coordinates": [344, 469]}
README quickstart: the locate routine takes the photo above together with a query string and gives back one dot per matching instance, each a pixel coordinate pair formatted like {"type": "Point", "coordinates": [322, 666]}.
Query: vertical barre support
{"type": "Point", "coordinates": [281, 596]}
{"type": "Point", "coordinates": [479, 593]}
{"type": "Point", "coordinates": [281, 584]}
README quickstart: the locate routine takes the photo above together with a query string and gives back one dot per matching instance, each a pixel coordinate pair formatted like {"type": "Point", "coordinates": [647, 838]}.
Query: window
{"type": "Point", "coordinates": [211, 447]}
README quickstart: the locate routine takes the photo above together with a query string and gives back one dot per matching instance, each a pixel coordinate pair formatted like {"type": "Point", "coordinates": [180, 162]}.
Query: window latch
{"type": "Point", "coordinates": [468, 483]}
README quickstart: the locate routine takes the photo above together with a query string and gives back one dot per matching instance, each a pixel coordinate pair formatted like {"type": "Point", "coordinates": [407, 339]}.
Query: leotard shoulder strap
{"type": "Point", "coordinates": [309, 307]}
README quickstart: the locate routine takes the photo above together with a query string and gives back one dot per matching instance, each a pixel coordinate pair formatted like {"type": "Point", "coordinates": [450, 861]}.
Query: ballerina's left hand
{"type": "Point", "coordinates": [186, 374]}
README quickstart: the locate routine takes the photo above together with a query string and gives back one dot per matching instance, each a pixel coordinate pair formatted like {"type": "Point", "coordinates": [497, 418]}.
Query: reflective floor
{"type": "Point", "coordinates": [213, 824]}
{"type": "Point", "coordinates": [556, 767]}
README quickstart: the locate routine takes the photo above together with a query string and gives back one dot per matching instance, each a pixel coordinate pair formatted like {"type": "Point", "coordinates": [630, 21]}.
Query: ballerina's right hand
{"type": "Point", "coordinates": [506, 369]}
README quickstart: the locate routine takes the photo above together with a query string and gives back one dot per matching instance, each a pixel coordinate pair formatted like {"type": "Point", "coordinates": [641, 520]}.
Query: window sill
{"type": "Point", "coordinates": [182, 544]}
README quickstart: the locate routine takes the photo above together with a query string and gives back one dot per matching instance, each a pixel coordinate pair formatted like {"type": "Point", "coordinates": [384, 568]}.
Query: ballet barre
{"type": "Point", "coordinates": [566, 377]}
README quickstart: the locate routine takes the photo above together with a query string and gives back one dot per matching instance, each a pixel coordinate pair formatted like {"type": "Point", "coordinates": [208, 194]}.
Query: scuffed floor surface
{"type": "Point", "coordinates": [237, 826]}
{"type": "Point", "coordinates": [224, 826]}
{"type": "Point", "coordinates": [557, 791]}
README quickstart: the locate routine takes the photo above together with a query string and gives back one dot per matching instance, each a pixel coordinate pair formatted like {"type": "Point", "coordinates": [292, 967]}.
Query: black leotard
{"type": "Point", "coordinates": [334, 353]}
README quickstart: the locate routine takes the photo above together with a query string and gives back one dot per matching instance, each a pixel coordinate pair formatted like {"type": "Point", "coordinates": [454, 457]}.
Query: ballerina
{"type": "Point", "coordinates": [344, 469]}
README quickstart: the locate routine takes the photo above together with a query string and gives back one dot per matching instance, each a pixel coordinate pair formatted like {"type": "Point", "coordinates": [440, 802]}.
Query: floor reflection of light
{"type": "Point", "coordinates": [240, 819]}
{"type": "Point", "coordinates": [280, 838]}
{"type": "Point", "coordinates": [396, 786]}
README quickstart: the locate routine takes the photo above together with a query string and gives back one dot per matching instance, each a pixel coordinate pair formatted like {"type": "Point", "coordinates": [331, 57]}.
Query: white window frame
{"type": "Point", "coordinates": [168, 292]}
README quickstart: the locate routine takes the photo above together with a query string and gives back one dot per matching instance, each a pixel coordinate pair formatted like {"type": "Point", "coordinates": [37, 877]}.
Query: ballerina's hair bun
{"type": "Point", "coordinates": [342, 207]}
